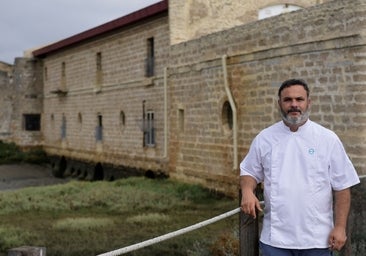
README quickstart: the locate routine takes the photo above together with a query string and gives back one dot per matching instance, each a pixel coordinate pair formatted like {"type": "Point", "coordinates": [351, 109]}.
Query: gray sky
{"type": "Point", "coordinates": [27, 24]}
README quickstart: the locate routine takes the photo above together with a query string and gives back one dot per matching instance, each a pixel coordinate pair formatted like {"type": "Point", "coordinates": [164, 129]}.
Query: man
{"type": "Point", "coordinates": [302, 165]}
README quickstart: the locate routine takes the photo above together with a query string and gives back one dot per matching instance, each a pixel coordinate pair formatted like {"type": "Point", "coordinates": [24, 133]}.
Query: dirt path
{"type": "Point", "coordinates": [15, 176]}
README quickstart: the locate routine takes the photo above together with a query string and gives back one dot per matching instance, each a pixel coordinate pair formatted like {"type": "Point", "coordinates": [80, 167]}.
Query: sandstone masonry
{"type": "Point", "coordinates": [158, 96]}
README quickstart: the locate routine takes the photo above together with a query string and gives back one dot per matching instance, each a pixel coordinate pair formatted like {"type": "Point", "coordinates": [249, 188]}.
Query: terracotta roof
{"type": "Point", "coordinates": [107, 27]}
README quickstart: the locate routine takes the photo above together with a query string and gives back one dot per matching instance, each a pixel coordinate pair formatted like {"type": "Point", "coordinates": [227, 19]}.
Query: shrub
{"type": "Point", "coordinates": [11, 153]}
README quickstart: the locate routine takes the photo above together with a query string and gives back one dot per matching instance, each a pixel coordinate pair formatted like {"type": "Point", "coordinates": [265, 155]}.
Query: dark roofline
{"type": "Point", "coordinates": [107, 27]}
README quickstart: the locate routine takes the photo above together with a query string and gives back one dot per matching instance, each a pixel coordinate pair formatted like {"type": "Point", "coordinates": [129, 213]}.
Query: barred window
{"type": "Point", "coordinates": [149, 133]}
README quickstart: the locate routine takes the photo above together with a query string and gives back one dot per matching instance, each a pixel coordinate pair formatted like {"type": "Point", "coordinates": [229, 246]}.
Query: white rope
{"type": "Point", "coordinates": [170, 235]}
{"type": "Point", "coordinates": [176, 233]}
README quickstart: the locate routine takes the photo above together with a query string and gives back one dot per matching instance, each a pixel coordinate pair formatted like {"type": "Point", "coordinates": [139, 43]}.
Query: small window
{"type": "Point", "coordinates": [227, 116]}
{"type": "Point", "coordinates": [52, 118]}
{"type": "Point", "coordinates": [149, 133]}
{"type": "Point", "coordinates": [63, 71]}
{"type": "Point", "coordinates": [150, 62]}
{"type": "Point", "coordinates": [45, 73]}
{"type": "Point", "coordinates": [99, 61]}
{"type": "Point", "coordinates": [63, 127]}
{"type": "Point", "coordinates": [99, 128]}
{"type": "Point", "coordinates": [181, 120]}
{"type": "Point", "coordinates": [80, 120]}
{"type": "Point", "coordinates": [99, 70]}
{"type": "Point", "coordinates": [32, 122]}
{"type": "Point", "coordinates": [122, 119]}
{"type": "Point", "coordinates": [63, 76]}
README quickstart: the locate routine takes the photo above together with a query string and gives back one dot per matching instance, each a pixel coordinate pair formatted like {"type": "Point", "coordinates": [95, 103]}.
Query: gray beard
{"type": "Point", "coordinates": [295, 120]}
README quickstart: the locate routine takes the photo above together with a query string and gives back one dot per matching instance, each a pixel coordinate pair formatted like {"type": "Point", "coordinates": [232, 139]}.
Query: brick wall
{"type": "Point", "coordinates": [324, 45]}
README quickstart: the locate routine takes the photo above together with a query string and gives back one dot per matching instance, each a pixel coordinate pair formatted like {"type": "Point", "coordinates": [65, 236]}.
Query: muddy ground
{"type": "Point", "coordinates": [15, 176]}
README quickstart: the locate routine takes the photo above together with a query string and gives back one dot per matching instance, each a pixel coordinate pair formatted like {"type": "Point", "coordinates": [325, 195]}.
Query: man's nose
{"type": "Point", "coordinates": [294, 103]}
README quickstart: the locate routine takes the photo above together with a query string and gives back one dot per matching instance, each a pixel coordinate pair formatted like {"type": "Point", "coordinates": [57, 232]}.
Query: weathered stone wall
{"type": "Point", "coordinates": [21, 93]}
{"type": "Point", "coordinates": [5, 67]}
{"type": "Point", "coordinates": [324, 45]}
{"type": "Point", "coordinates": [123, 92]}
{"type": "Point", "coordinates": [27, 85]}
{"type": "Point", "coordinates": [6, 101]}
{"type": "Point", "coordinates": [195, 18]}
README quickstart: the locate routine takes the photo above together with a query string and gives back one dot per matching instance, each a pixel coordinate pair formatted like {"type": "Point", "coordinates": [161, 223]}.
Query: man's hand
{"type": "Point", "coordinates": [337, 238]}
{"type": "Point", "coordinates": [249, 203]}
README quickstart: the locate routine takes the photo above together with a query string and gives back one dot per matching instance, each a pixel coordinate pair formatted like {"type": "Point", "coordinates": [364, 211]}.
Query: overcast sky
{"type": "Point", "coordinates": [28, 24]}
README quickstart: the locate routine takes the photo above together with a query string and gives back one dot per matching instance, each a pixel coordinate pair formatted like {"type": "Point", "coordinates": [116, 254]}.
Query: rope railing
{"type": "Point", "coordinates": [170, 235]}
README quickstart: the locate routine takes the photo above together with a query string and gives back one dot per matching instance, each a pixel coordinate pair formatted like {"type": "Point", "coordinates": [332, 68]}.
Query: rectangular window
{"type": "Point", "coordinates": [45, 74]}
{"type": "Point", "coordinates": [63, 76]}
{"type": "Point", "coordinates": [63, 71]}
{"type": "Point", "coordinates": [99, 61]}
{"type": "Point", "coordinates": [150, 62]}
{"type": "Point", "coordinates": [32, 122]}
{"type": "Point", "coordinates": [99, 70]}
{"type": "Point", "coordinates": [181, 120]}
{"type": "Point", "coordinates": [63, 127]}
{"type": "Point", "coordinates": [99, 129]}
{"type": "Point", "coordinates": [149, 134]}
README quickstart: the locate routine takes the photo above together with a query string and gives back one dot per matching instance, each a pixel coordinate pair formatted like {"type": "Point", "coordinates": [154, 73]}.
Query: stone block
{"type": "Point", "coordinates": [27, 251]}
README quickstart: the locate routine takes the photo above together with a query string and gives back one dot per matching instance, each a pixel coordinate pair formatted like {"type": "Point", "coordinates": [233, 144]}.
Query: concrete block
{"type": "Point", "coordinates": [27, 251]}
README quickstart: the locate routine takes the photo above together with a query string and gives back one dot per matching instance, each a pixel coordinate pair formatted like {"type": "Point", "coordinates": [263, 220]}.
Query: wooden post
{"type": "Point", "coordinates": [248, 234]}
{"type": "Point", "coordinates": [356, 228]}
{"type": "Point", "coordinates": [27, 251]}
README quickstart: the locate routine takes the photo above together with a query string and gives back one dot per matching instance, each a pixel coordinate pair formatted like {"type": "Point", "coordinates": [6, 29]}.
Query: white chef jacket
{"type": "Point", "coordinates": [299, 170]}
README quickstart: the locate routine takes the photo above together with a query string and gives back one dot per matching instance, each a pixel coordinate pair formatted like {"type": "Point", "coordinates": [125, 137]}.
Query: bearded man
{"type": "Point", "coordinates": [302, 165]}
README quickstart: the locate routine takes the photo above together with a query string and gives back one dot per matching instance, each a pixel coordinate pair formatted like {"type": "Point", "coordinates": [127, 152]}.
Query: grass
{"type": "Point", "coordinates": [11, 153]}
{"type": "Point", "coordinates": [89, 218]}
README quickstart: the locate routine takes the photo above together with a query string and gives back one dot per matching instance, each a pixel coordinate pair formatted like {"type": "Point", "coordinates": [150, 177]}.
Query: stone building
{"type": "Point", "coordinates": [182, 91]}
{"type": "Point", "coordinates": [21, 102]}
{"type": "Point", "coordinates": [323, 44]}
{"type": "Point", "coordinates": [6, 100]}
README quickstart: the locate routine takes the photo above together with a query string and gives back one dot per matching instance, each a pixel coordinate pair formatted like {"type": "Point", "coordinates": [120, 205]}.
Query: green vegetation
{"type": "Point", "coordinates": [11, 153]}
{"type": "Point", "coordinates": [89, 218]}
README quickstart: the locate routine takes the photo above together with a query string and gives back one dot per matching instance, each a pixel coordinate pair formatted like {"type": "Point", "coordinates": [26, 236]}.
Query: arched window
{"type": "Point", "coordinates": [227, 116]}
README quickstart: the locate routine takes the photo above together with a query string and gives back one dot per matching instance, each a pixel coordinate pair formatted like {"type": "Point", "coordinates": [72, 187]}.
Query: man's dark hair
{"type": "Point", "coordinates": [291, 82]}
